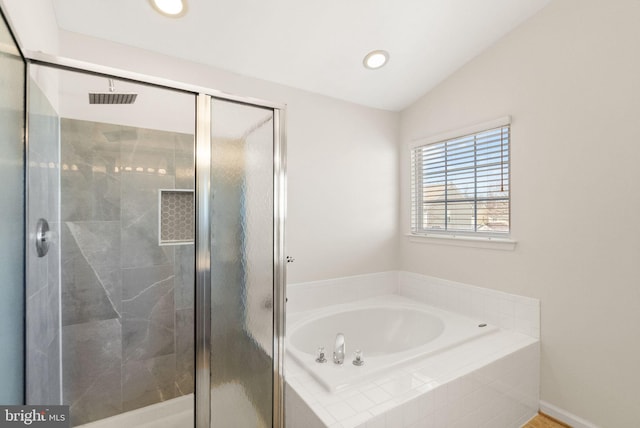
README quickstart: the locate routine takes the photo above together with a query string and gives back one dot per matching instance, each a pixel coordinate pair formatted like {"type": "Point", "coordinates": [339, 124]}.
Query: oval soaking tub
{"type": "Point", "coordinates": [389, 330]}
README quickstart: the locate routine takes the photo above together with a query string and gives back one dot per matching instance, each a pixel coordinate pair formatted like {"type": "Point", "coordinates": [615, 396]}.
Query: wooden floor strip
{"type": "Point", "coordinates": [544, 421]}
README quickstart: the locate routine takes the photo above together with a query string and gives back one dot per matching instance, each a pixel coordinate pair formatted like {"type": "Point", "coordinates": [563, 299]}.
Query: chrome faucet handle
{"type": "Point", "coordinates": [358, 359]}
{"type": "Point", "coordinates": [320, 355]}
{"type": "Point", "coordinates": [339, 349]}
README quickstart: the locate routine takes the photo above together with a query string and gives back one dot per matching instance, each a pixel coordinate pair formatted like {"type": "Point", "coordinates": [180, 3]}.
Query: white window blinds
{"type": "Point", "coordinates": [461, 185]}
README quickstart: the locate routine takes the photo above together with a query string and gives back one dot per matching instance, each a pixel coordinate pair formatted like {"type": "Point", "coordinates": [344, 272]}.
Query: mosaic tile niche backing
{"type": "Point", "coordinates": [176, 216]}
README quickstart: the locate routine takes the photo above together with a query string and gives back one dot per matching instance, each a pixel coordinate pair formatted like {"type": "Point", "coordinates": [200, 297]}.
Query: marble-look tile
{"type": "Point", "coordinates": [148, 312]}
{"type": "Point", "coordinates": [40, 323]}
{"type": "Point", "coordinates": [81, 203]}
{"type": "Point", "coordinates": [39, 187]}
{"type": "Point", "coordinates": [53, 386]}
{"type": "Point", "coordinates": [152, 152]}
{"type": "Point", "coordinates": [185, 161]}
{"type": "Point", "coordinates": [115, 133]}
{"type": "Point", "coordinates": [43, 357]}
{"type": "Point", "coordinates": [99, 244]}
{"type": "Point", "coordinates": [53, 270]}
{"type": "Point", "coordinates": [37, 274]}
{"type": "Point", "coordinates": [50, 148]}
{"type": "Point", "coordinates": [102, 399]}
{"type": "Point", "coordinates": [92, 362]}
{"type": "Point", "coordinates": [90, 178]}
{"type": "Point", "coordinates": [140, 220]}
{"type": "Point", "coordinates": [53, 198]}
{"type": "Point", "coordinates": [185, 279]}
{"type": "Point", "coordinates": [129, 328]}
{"type": "Point", "coordinates": [37, 370]}
{"type": "Point", "coordinates": [54, 369]}
{"type": "Point", "coordinates": [43, 127]}
{"type": "Point", "coordinates": [185, 351]}
{"type": "Point", "coordinates": [84, 296]}
{"type": "Point", "coordinates": [148, 381]}
{"type": "Point", "coordinates": [43, 166]}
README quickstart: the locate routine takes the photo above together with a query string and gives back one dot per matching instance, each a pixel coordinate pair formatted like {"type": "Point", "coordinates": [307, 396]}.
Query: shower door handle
{"type": "Point", "coordinates": [42, 237]}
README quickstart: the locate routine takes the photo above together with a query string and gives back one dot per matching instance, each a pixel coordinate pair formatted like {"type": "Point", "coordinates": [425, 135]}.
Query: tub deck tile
{"type": "Point", "coordinates": [475, 381]}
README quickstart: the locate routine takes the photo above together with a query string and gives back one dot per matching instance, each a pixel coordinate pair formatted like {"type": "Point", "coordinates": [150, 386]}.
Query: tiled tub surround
{"type": "Point", "coordinates": [127, 303]}
{"type": "Point", "coordinates": [507, 311]}
{"type": "Point", "coordinates": [491, 381]}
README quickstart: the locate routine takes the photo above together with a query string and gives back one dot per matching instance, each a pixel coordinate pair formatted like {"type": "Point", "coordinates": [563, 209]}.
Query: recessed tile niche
{"type": "Point", "coordinates": [176, 217]}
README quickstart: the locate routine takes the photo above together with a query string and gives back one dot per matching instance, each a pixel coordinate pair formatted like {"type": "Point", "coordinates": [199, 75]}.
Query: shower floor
{"type": "Point", "coordinates": [178, 412]}
{"type": "Point", "coordinates": [174, 413]}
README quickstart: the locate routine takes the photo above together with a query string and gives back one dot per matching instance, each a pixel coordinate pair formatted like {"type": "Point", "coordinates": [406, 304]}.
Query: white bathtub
{"type": "Point", "coordinates": [389, 330]}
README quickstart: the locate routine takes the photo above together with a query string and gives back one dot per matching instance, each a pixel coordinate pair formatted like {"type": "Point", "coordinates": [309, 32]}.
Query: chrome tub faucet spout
{"type": "Point", "coordinates": [338, 349]}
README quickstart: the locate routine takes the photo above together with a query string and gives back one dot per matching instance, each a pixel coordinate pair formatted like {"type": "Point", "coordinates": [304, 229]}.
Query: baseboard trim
{"type": "Point", "coordinates": [564, 416]}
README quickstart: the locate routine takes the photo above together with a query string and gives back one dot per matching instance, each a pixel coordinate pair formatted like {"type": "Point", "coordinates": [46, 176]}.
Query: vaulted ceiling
{"type": "Point", "coordinates": [315, 46]}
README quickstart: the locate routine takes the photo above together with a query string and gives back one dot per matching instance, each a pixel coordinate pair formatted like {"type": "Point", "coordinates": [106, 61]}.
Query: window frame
{"type": "Point", "coordinates": [417, 230]}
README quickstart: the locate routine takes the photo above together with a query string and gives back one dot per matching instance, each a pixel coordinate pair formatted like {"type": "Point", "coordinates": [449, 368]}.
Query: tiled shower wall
{"type": "Point", "coordinates": [127, 302]}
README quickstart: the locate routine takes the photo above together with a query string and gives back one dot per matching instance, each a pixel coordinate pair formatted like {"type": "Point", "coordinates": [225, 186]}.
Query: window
{"type": "Point", "coordinates": [460, 185]}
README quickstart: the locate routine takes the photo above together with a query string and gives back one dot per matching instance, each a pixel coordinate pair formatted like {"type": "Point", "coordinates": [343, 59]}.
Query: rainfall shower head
{"type": "Point", "coordinates": [112, 97]}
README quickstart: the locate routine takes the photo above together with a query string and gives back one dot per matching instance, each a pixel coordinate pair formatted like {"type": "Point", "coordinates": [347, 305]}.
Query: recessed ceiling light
{"type": "Point", "coordinates": [172, 8]}
{"type": "Point", "coordinates": [375, 59]}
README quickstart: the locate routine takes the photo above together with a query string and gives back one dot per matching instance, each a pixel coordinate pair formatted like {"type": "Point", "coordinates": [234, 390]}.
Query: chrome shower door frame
{"type": "Point", "coordinates": [279, 264]}
{"type": "Point", "coordinates": [203, 263]}
{"type": "Point", "coordinates": [202, 161]}
{"type": "Point", "coordinates": [203, 259]}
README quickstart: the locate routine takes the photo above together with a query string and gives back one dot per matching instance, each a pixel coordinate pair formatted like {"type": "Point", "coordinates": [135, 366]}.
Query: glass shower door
{"type": "Point", "coordinates": [123, 247]}
{"type": "Point", "coordinates": [242, 265]}
{"type": "Point", "coordinates": [117, 310]}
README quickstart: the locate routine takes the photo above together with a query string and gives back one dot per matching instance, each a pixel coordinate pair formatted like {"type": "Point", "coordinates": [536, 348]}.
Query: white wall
{"type": "Point", "coordinates": [342, 163]}
{"type": "Point", "coordinates": [570, 79]}
{"type": "Point", "coordinates": [34, 23]}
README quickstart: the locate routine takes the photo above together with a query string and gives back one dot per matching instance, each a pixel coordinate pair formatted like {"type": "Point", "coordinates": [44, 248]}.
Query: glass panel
{"type": "Point", "coordinates": [127, 302]}
{"type": "Point", "coordinates": [12, 219]}
{"type": "Point", "coordinates": [44, 377]}
{"type": "Point", "coordinates": [241, 266]}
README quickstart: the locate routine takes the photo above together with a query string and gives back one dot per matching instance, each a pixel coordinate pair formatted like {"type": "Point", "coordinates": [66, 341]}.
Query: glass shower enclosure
{"type": "Point", "coordinates": [154, 252]}
{"type": "Point", "coordinates": [12, 169]}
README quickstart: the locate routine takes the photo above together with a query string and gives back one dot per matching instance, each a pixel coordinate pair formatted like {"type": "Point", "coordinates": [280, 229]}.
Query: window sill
{"type": "Point", "coordinates": [489, 242]}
